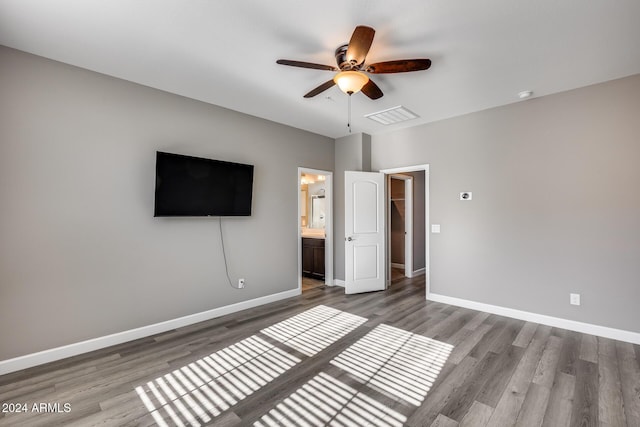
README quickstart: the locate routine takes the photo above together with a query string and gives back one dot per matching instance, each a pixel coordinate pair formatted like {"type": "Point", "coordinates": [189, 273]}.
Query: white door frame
{"type": "Point", "coordinates": [415, 168]}
{"type": "Point", "coordinates": [408, 223]}
{"type": "Point", "coordinates": [328, 225]}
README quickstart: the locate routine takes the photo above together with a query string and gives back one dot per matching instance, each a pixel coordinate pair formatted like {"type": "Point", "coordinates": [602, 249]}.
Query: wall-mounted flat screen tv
{"type": "Point", "coordinates": [193, 186]}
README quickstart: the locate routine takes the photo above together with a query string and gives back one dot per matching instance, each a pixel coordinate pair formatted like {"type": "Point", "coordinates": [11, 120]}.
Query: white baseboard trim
{"type": "Point", "coordinates": [51, 355]}
{"type": "Point", "coordinates": [572, 325]}
{"type": "Point", "coordinates": [338, 282]}
{"type": "Point", "coordinates": [397, 265]}
{"type": "Point", "coordinates": [419, 272]}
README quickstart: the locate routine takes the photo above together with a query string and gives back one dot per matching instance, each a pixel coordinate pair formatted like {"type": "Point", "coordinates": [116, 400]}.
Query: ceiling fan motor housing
{"type": "Point", "coordinates": [341, 59]}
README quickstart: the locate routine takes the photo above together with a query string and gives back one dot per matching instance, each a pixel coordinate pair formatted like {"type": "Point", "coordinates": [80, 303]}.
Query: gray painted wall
{"type": "Point", "coordinates": [555, 209]}
{"type": "Point", "coordinates": [352, 153]}
{"type": "Point", "coordinates": [81, 255]}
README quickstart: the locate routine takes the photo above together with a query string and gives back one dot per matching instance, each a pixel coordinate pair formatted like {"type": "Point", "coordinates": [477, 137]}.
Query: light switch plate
{"type": "Point", "coordinates": [435, 228]}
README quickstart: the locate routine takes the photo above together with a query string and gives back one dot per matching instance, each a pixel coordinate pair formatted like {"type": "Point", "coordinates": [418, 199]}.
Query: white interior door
{"type": "Point", "coordinates": [364, 232]}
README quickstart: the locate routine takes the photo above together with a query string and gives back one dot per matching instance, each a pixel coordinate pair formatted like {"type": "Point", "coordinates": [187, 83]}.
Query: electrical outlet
{"type": "Point", "coordinates": [574, 299]}
{"type": "Point", "coordinates": [240, 283]}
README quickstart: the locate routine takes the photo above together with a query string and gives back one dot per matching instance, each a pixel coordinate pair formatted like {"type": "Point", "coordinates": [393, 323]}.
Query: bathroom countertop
{"type": "Point", "coordinates": [314, 233]}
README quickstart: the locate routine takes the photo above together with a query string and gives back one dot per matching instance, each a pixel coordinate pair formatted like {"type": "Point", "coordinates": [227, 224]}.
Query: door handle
{"type": "Point", "coordinates": [349, 239]}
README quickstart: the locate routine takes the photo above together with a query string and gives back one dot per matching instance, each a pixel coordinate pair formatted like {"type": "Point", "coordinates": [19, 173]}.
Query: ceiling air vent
{"type": "Point", "coordinates": [392, 116]}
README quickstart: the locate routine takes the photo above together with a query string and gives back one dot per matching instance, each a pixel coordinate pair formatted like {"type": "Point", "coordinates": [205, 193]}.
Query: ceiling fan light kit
{"type": "Point", "coordinates": [351, 82]}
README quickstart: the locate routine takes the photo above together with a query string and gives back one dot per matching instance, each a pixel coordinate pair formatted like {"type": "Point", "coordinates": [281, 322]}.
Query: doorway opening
{"type": "Point", "coordinates": [400, 230]}
{"type": "Point", "coordinates": [407, 212]}
{"type": "Point", "coordinates": [315, 228]}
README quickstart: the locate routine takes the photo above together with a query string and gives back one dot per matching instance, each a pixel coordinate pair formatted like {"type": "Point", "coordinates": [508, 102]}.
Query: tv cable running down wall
{"type": "Point", "coordinates": [224, 255]}
{"type": "Point", "coordinates": [189, 186]}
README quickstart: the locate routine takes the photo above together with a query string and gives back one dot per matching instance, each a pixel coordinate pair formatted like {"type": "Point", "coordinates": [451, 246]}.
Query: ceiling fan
{"type": "Point", "coordinates": [350, 58]}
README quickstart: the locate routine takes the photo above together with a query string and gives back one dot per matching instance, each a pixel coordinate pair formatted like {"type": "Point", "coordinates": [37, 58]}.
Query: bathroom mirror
{"type": "Point", "coordinates": [317, 212]}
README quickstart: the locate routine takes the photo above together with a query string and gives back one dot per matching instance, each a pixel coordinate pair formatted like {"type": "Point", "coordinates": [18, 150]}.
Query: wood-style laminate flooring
{"type": "Point", "coordinates": [309, 283]}
{"type": "Point", "coordinates": [324, 358]}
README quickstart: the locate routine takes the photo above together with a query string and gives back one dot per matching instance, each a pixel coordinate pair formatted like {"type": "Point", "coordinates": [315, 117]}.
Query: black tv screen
{"type": "Point", "coordinates": [192, 186]}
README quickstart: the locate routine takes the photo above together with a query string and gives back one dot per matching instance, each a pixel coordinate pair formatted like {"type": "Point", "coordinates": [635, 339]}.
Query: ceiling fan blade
{"type": "Point", "coordinates": [306, 65]}
{"type": "Point", "coordinates": [372, 90]}
{"type": "Point", "coordinates": [400, 66]}
{"type": "Point", "coordinates": [360, 44]}
{"type": "Point", "coordinates": [324, 86]}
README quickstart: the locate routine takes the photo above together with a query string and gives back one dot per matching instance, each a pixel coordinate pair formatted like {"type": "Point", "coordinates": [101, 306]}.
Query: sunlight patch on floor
{"type": "Point", "coordinates": [199, 391]}
{"type": "Point", "coordinates": [314, 330]}
{"type": "Point", "coordinates": [395, 362]}
{"type": "Point", "coordinates": [326, 401]}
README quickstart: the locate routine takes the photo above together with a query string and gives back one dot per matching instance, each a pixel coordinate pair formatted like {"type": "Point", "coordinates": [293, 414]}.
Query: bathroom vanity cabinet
{"type": "Point", "coordinates": [313, 257]}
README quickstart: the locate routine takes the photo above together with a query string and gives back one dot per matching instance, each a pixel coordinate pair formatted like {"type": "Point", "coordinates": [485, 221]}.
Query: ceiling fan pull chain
{"type": "Point", "coordinates": [349, 115]}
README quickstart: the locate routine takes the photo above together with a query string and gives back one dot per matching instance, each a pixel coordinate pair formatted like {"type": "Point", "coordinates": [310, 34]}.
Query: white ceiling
{"type": "Point", "coordinates": [223, 51]}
